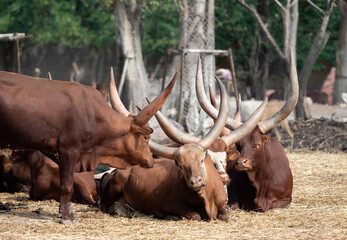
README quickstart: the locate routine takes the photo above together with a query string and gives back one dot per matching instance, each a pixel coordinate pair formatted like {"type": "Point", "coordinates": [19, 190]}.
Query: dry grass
{"type": "Point", "coordinates": [318, 211]}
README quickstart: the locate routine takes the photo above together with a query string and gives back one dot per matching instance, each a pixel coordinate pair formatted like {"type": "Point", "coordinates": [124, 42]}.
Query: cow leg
{"type": "Point", "coordinates": [66, 171]}
{"type": "Point", "coordinates": [181, 211]}
{"type": "Point", "coordinates": [223, 213]}
{"type": "Point", "coordinates": [277, 133]}
{"type": "Point", "coordinates": [283, 203]}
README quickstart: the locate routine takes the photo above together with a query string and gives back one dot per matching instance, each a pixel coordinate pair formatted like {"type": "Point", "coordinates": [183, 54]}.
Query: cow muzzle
{"type": "Point", "coordinates": [197, 183]}
{"type": "Point", "coordinates": [148, 164]}
{"type": "Point", "coordinates": [243, 164]}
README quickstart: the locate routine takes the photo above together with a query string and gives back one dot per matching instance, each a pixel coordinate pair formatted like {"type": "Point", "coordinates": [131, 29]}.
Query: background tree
{"type": "Point", "coordinates": [341, 55]}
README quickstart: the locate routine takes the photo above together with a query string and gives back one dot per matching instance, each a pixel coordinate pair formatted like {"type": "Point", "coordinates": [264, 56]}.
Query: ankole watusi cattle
{"type": "Point", "coordinates": [27, 170]}
{"type": "Point", "coordinates": [219, 146]}
{"type": "Point", "coordinates": [192, 189]}
{"type": "Point", "coordinates": [187, 187]}
{"type": "Point", "coordinates": [74, 125]}
{"type": "Point", "coordinates": [261, 178]}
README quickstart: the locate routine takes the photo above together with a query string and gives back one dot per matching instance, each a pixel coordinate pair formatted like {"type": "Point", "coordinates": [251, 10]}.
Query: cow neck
{"type": "Point", "coordinates": [208, 192]}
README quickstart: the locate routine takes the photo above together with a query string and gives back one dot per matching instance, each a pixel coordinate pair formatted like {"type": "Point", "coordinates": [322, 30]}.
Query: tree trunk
{"type": "Point", "coordinates": [259, 63]}
{"type": "Point", "coordinates": [341, 55]}
{"type": "Point", "coordinates": [128, 19]}
{"type": "Point", "coordinates": [317, 46]}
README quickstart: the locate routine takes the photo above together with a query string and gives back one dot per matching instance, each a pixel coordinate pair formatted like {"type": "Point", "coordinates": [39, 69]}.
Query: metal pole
{"type": "Point", "coordinates": [120, 89]}
{"type": "Point", "coordinates": [165, 67]}
{"type": "Point", "coordinates": [18, 56]}
{"type": "Point", "coordinates": [179, 113]}
{"type": "Point", "coordinates": [233, 74]}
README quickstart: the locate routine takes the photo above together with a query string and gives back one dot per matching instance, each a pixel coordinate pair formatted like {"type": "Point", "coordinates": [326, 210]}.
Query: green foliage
{"type": "Point", "coordinates": [160, 28]}
{"type": "Point", "coordinates": [75, 23]}
{"type": "Point", "coordinates": [90, 23]}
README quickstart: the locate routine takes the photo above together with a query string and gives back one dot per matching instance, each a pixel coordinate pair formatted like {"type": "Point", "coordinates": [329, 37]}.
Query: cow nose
{"type": "Point", "coordinates": [197, 183]}
{"type": "Point", "coordinates": [149, 164]}
{"type": "Point", "coordinates": [244, 164]}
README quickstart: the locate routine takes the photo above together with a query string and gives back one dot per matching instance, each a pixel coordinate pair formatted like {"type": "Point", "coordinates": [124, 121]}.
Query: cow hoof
{"type": "Point", "coordinates": [173, 218]}
{"type": "Point", "coordinates": [68, 222]}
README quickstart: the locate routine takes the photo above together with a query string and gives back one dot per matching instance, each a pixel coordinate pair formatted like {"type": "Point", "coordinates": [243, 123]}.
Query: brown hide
{"type": "Point", "coordinates": [261, 178]}
{"type": "Point", "coordinates": [162, 191]}
{"type": "Point", "coordinates": [74, 123]}
{"type": "Point", "coordinates": [41, 175]}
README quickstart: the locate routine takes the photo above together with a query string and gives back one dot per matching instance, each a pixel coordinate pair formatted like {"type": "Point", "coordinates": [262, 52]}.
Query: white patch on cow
{"type": "Point", "coordinates": [219, 160]}
{"type": "Point", "coordinates": [99, 176]}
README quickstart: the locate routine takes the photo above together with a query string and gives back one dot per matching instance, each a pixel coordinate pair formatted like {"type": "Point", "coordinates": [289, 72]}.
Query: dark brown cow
{"type": "Point", "coordinates": [74, 125]}
{"type": "Point", "coordinates": [261, 178]}
{"type": "Point", "coordinates": [31, 170]}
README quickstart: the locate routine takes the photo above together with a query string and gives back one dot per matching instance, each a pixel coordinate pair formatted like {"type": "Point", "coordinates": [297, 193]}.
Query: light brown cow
{"type": "Point", "coordinates": [74, 125]}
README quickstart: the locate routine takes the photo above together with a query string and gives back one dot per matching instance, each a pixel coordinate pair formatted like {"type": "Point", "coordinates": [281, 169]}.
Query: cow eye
{"type": "Point", "coordinates": [202, 160]}
{"type": "Point", "coordinates": [180, 167]}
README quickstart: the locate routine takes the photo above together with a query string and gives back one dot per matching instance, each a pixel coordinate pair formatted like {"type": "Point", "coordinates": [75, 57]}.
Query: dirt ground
{"type": "Point", "coordinates": [318, 211]}
{"type": "Point", "coordinates": [317, 134]}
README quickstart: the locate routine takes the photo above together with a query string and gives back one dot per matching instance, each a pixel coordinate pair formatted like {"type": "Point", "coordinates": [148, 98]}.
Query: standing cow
{"type": "Point", "coordinates": [261, 178]}
{"type": "Point", "coordinates": [72, 124]}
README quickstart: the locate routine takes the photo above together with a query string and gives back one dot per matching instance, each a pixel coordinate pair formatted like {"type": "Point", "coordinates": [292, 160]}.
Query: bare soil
{"type": "Point", "coordinates": [317, 134]}
{"type": "Point", "coordinates": [318, 211]}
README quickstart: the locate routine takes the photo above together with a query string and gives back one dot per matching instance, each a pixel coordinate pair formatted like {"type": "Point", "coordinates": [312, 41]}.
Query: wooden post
{"type": "Point", "coordinates": [18, 56]}
{"type": "Point", "coordinates": [233, 74]}
{"type": "Point", "coordinates": [179, 112]}
{"type": "Point", "coordinates": [165, 67]}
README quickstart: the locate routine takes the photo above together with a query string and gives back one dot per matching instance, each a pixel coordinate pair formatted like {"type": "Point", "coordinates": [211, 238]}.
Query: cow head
{"type": "Point", "coordinates": [190, 156]}
{"type": "Point", "coordinates": [135, 140]}
{"type": "Point", "coordinates": [252, 150]}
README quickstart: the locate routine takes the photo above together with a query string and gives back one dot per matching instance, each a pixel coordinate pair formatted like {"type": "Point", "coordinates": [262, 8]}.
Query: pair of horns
{"type": "Point", "coordinates": [266, 124]}
{"type": "Point", "coordinates": [180, 137]}
{"type": "Point", "coordinates": [147, 113]}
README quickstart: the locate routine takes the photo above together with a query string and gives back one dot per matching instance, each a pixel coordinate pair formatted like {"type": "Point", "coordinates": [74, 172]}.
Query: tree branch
{"type": "Point", "coordinates": [293, 3]}
{"type": "Point", "coordinates": [280, 6]}
{"type": "Point", "coordinates": [263, 27]}
{"type": "Point", "coordinates": [316, 7]}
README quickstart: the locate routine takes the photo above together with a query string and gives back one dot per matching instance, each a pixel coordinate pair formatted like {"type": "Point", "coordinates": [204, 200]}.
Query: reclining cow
{"type": "Point", "coordinates": [32, 171]}
{"type": "Point", "coordinates": [172, 190]}
{"type": "Point", "coordinates": [261, 178]}
{"type": "Point", "coordinates": [73, 125]}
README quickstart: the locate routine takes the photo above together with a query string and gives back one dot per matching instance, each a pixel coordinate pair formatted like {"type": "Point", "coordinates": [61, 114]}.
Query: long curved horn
{"type": "Point", "coordinates": [147, 113]}
{"type": "Point", "coordinates": [116, 103]}
{"type": "Point", "coordinates": [247, 127]}
{"type": "Point", "coordinates": [171, 131]}
{"type": "Point", "coordinates": [272, 121]}
{"type": "Point", "coordinates": [167, 152]}
{"type": "Point", "coordinates": [205, 104]}
{"type": "Point", "coordinates": [238, 109]}
{"type": "Point", "coordinates": [219, 124]}
{"type": "Point", "coordinates": [225, 131]}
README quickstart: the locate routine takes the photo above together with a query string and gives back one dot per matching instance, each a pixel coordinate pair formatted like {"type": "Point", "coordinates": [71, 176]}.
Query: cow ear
{"type": "Point", "coordinates": [266, 138]}
{"type": "Point", "coordinates": [144, 129]}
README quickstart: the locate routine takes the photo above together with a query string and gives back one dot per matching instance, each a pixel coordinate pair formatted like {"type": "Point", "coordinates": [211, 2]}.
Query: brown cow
{"type": "Point", "coordinates": [168, 190]}
{"type": "Point", "coordinates": [37, 173]}
{"type": "Point", "coordinates": [193, 189]}
{"type": "Point", "coordinates": [74, 125]}
{"type": "Point", "coordinates": [261, 178]}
